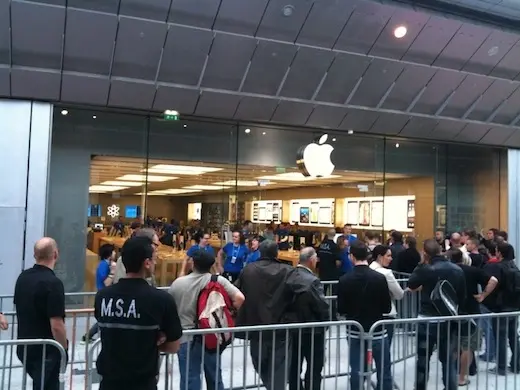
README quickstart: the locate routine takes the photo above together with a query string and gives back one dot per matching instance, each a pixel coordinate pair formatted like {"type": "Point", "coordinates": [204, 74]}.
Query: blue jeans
{"type": "Point", "coordinates": [190, 356]}
{"type": "Point", "coordinates": [381, 355]}
{"type": "Point", "coordinates": [485, 324]}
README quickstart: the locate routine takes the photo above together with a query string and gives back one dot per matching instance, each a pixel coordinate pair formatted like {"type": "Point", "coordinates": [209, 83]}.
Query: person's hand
{"type": "Point", "coordinates": [161, 339]}
{"type": "Point", "coordinates": [338, 263]}
{"type": "Point", "coordinates": [479, 298]}
{"type": "Point", "coordinates": [113, 266]}
{"type": "Point", "coordinates": [4, 325]}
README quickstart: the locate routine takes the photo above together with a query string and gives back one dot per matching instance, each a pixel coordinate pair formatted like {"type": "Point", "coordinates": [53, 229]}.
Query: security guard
{"type": "Point", "coordinates": [137, 322]}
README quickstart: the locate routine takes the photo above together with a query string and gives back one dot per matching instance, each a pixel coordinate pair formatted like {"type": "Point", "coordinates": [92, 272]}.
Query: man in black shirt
{"type": "Point", "coordinates": [39, 297]}
{"type": "Point", "coordinates": [431, 334]}
{"type": "Point", "coordinates": [137, 321]}
{"type": "Point", "coordinates": [470, 337]}
{"type": "Point", "coordinates": [329, 257]}
{"type": "Point", "coordinates": [363, 296]}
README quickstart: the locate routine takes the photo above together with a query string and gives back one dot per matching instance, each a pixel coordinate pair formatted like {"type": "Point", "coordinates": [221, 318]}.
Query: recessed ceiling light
{"type": "Point", "coordinates": [333, 139]}
{"type": "Point", "coordinates": [167, 169]}
{"type": "Point", "coordinates": [493, 51]}
{"type": "Point", "coordinates": [185, 126]}
{"type": "Point", "coordinates": [64, 112]}
{"type": "Point", "coordinates": [396, 145]}
{"type": "Point", "coordinates": [122, 183]}
{"type": "Point", "coordinates": [240, 183]}
{"type": "Point", "coordinates": [205, 187]}
{"type": "Point", "coordinates": [350, 132]}
{"type": "Point", "coordinates": [263, 133]}
{"type": "Point", "coordinates": [94, 117]}
{"type": "Point", "coordinates": [142, 178]}
{"type": "Point", "coordinates": [100, 188]}
{"type": "Point", "coordinates": [247, 131]}
{"type": "Point", "coordinates": [288, 10]}
{"type": "Point", "coordinates": [400, 32]}
{"type": "Point", "coordinates": [293, 176]}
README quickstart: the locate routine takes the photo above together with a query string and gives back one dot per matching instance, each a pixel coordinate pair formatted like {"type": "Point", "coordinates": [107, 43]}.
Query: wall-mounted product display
{"type": "Point", "coordinates": [265, 211]}
{"type": "Point", "coordinates": [389, 212]}
{"type": "Point", "coordinates": [94, 210]}
{"type": "Point", "coordinates": [194, 211]}
{"type": "Point", "coordinates": [313, 212]}
{"type": "Point", "coordinates": [132, 211]}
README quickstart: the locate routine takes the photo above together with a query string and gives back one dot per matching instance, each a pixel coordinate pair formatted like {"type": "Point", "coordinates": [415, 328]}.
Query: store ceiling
{"type": "Point", "coordinates": [322, 63]}
{"type": "Point", "coordinates": [109, 171]}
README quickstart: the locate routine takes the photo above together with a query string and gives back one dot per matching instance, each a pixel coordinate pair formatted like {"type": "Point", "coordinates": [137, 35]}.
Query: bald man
{"type": "Point", "coordinates": [39, 297]}
{"type": "Point", "coordinates": [456, 243]}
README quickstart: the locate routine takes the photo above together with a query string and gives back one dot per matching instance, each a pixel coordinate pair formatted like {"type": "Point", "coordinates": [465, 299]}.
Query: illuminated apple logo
{"type": "Point", "coordinates": [314, 159]}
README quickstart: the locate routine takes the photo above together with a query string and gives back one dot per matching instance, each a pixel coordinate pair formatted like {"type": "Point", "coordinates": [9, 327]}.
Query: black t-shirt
{"type": "Point", "coordinates": [328, 253]}
{"type": "Point", "coordinates": [474, 277]}
{"type": "Point", "coordinates": [130, 315]}
{"type": "Point", "coordinates": [477, 260]}
{"type": "Point", "coordinates": [39, 296]}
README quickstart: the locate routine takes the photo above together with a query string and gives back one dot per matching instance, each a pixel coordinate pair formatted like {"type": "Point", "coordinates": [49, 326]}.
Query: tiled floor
{"type": "Point", "coordinates": [238, 371]}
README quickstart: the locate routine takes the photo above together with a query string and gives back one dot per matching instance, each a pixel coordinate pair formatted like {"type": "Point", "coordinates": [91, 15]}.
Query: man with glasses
{"type": "Point", "coordinates": [120, 268]}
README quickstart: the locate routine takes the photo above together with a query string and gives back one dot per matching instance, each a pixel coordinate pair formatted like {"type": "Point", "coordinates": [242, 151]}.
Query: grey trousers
{"type": "Point", "coordinates": [271, 361]}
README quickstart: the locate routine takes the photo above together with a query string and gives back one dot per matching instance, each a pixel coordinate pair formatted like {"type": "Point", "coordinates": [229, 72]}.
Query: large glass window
{"type": "Point", "coordinates": [114, 173]}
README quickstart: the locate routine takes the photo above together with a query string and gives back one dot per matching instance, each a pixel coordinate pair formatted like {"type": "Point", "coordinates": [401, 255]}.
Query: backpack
{"type": "Point", "coordinates": [444, 299]}
{"type": "Point", "coordinates": [512, 284]}
{"type": "Point", "coordinates": [214, 312]}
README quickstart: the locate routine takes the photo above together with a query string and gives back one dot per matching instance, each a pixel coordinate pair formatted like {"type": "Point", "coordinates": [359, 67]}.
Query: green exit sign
{"type": "Point", "coordinates": [171, 115]}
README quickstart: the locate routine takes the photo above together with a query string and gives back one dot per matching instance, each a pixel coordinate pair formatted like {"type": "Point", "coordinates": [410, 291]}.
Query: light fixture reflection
{"type": "Point", "coordinates": [400, 32]}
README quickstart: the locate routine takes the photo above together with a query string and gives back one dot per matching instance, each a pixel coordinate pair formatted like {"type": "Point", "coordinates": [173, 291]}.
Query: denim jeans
{"type": "Point", "coordinates": [381, 355]}
{"type": "Point", "coordinates": [191, 355]}
{"type": "Point", "coordinates": [507, 330]}
{"type": "Point", "coordinates": [46, 379]}
{"type": "Point", "coordinates": [429, 336]}
{"type": "Point", "coordinates": [489, 336]}
{"type": "Point", "coordinates": [271, 360]}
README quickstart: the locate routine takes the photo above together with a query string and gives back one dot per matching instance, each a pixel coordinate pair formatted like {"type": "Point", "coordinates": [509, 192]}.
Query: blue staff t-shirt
{"type": "Point", "coordinates": [283, 233]}
{"type": "Point", "coordinates": [235, 257]}
{"type": "Point", "coordinates": [196, 247]}
{"type": "Point", "coordinates": [346, 264]}
{"type": "Point", "coordinates": [102, 272]}
{"type": "Point", "coordinates": [253, 256]}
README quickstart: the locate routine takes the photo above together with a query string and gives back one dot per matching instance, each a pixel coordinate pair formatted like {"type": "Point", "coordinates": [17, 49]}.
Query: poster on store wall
{"type": "Point", "coordinates": [261, 214]}
{"type": "Point", "coordinates": [411, 214]}
{"type": "Point", "coordinates": [314, 212]}
{"type": "Point", "coordinates": [325, 215]}
{"type": "Point", "coordinates": [276, 212]}
{"type": "Point", "coordinates": [304, 215]}
{"type": "Point", "coordinates": [377, 213]}
{"type": "Point", "coordinates": [352, 213]}
{"type": "Point", "coordinates": [364, 213]}
{"type": "Point", "coordinates": [295, 212]}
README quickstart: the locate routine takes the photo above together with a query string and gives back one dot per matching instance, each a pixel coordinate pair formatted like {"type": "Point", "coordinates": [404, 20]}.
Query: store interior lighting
{"type": "Point", "coordinates": [103, 188]}
{"type": "Point", "coordinates": [143, 178]}
{"type": "Point", "coordinates": [180, 169]}
{"type": "Point", "coordinates": [121, 183]}
{"type": "Point", "coordinates": [400, 32]}
{"type": "Point", "coordinates": [206, 187]}
{"type": "Point", "coordinates": [293, 176]}
{"type": "Point", "coordinates": [239, 183]}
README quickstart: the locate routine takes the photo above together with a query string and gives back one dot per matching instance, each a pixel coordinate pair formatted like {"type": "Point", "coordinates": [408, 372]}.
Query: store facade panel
{"type": "Point", "coordinates": [108, 167]}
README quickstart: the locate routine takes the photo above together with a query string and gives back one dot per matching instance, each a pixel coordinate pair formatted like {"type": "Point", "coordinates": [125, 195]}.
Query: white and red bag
{"type": "Point", "coordinates": [214, 312]}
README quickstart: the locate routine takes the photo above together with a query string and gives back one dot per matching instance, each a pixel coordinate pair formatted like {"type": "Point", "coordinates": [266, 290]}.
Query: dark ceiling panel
{"type": "Point", "coordinates": [463, 45]}
{"type": "Point", "coordinates": [90, 41]}
{"type": "Point", "coordinates": [52, 2]}
{"type": "Point", "coordinates": [5, 82]}
{"type": "Point", "coordinates": [5, 33]}
{"type": "Point", "coordinates": [256, 109]}
{"type": "Point", "coordinates": [342, 77]}
{"type": "Point", "coordinates": [437, 91]}
{"type": "Point", "coordinates": [39, 45]}
{"type": "Point", "coordinates": [228, 60]}
{"type": "Point", "coordinates": [498, 135]}
{"type": "Point", "coordinates": [472, 133]}
{"type": "Point", "coordinates": [85, 89]}
{"type": "Point", "coordinates": [432, 40]}
{"type": "Point", "coordinates": [325, 23]}
{"type": "Point", "coordinates": [307, 70]}
{"type": "Point", "coordinates": [275, 25]}
{"type": "Point", "coordinates": [240, 16]}
{"type": "Point", "coordinates": [493, 97]}
{"type": "Point", "coordinates": [146, 9]}
{"type": "Point", "coordinates": [184, 55]}
{"type": "Point", "coordinates": [514, 140]}
{"type": "Point", "coordinates": [419, 127]}
{"type": "Point", "coordinates": [108, 6]}
{"type": "Point", "coordinates": [509, 111]}
{"type": "Point", "coordinates": [179, 99]}
{"type": "Point", "coordinates": [138, 48]}
{"type": "Point", "coordinates": [446, 130]}
{"type": "Point", "coordinates": [408, 86]}
{"type": "Point", "coordinates": [491, 52]}
{"type": "Point", "coordinates": [130, 94]}
{"type": "Point", "coordinates": [471, 88]}
{"type": "Point", "coordinates": [387, 45]}
{"type": "Point", "coordinates": [292, 112]}
{"type": "Point", "coordinates": [35, 84]}
{"type": "Point", "coordinates": [217, 105]}
{"type": "Point", "coordinates": [327, 116]}
{"type": "Point", "coordinates": [364, 27]}
{"type": "Point", "coordinates": [508, 67]}
{"type": "Point", "coordinates": [378, 78]}
{"type": "Point", "coordinates": [389, 123]}
{"type": "Point", "coordinates": [268, 67]}
{"type": "Point", "coordinates": [200, 13]}
{"type": "Point", "coordinates": [359, 120]}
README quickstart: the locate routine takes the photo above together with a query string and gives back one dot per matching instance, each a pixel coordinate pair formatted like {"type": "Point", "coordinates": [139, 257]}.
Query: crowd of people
{"type": "Point", "coordinates": [246, 285]}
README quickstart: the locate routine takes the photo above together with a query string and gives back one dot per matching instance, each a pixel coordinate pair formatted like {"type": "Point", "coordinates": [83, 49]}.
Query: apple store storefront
{"type": "Point", "coordinates": [112, 167]}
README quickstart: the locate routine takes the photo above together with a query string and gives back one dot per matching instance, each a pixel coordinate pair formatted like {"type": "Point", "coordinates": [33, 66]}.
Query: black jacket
{"type": "Point", "coordinates": [406, 261]}
{"type": "Point", "coordinates": [427, 276]}
{"type": "Point", "coordinates": [396, 248]}
{"type": "Point", "coordinates": [328, 253]}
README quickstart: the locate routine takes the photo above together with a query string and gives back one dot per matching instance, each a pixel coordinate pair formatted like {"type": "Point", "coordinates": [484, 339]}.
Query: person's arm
{"type": "Point", "coordinates": [108, 274]}
{"type": "Point", "coordinates": [396, 292]}
{"type": "Point", "coordinates": [120, 271]}
{"type": "Point", "coordinates": [220, 259]}
{"type": "Point", "coordinates": [236, 296]}
{"type": "Point", "coordinates": [342, 297]}
{"type": "Point", "coordinates": [417, 277]}
{"type": "Point", "coordinates": [185, 262]}
{"type": "Point", "coordinates": [56, 312]}
{"type": "Point", "coordinates": [490, 283]}
{"type": "Point", "coordinates": [386, 301]}
{"type": "Point", "coordinates": [170, 326]}
{"type": "Point", "coordinates": [4, 325]}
